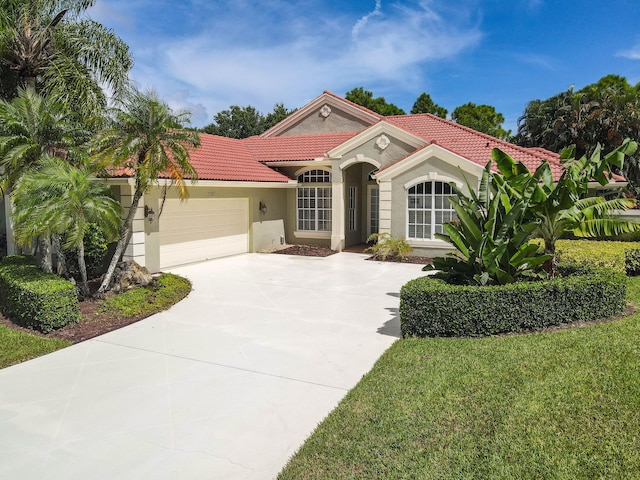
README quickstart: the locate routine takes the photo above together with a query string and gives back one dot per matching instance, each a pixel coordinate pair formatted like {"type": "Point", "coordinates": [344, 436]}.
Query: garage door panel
{"type": "Point", "coordinates": [204, 228]}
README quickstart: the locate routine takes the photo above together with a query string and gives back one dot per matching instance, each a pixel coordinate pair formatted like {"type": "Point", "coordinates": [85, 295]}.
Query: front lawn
{"type": "Point", "coordinates": [561, 405]}
{"type": "Point", "coordinates": [19, 346]}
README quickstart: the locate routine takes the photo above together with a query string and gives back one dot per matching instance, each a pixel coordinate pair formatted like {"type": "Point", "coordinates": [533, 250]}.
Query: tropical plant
{"type": "Point", "coordinates": [47, 46]}
{"type": "Point", "coordinates": [491, 236]}
{"type": "Point", "coordinates": [60, 198]}
{"type": "Point", "coordinates": [149, 140]}
{"type": "Point", "coordinates": [386, 246]}
{"type": "Point", "coordinates": [32, 127]}
{"type": "Point", "coordinates": [560, 207]}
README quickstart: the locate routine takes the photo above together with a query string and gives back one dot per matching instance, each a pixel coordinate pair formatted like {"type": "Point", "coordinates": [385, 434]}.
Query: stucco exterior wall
{"type": "Point", "coordinates": [337, 121]}
{"type": "Point", "coordinates": [396, 150]}
{"type": "Point", "coordinates": [435, 169]}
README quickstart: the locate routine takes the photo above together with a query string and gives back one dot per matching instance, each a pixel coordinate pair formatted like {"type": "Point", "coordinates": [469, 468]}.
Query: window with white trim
{"type": "Point", "coordinates": [351, 200]}
{"type": "Point", "coordinates": [428, 209]}
{"type": "Point", "coordinates": [314, 201]}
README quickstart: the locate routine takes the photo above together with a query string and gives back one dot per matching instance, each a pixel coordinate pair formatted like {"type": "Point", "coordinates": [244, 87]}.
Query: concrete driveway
{"type": "Point", "coordinates": [225, 385]}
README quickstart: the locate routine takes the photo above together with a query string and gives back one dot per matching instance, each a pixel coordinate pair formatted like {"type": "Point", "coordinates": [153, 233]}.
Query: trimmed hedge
{"type": "Point", "coordinates": [596, 253]}
{"type": "Point", "coordinates": [429, 307]}
{"type": "Point", "coordinates": [34, 299]}
{"type": "Point", "coordinates": [632, 262]}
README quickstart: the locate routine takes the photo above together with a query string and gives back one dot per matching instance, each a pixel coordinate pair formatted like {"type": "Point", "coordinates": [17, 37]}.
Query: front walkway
{"type": "Point", "coordinates": [226, 384]}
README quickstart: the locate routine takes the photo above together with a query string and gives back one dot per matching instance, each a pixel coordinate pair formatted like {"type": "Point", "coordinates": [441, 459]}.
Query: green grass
{"type": "Point", "coordinates": [17, 346]}
{"type": "Point", "coordinates": [559, 405]}
{"type": "Point", "coordinates": [169, 290]}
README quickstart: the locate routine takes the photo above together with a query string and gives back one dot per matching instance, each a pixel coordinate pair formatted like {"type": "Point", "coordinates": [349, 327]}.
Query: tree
{"type": "Point", "coordinates": [46, 46]}
{"type": "Point", "coordinates": [237, 122]}
{"type": "Point", "coordinates": [32, 127]}
{"type": "Point", "coordinates": [149, 139]}
{"type": "Point", "coordinates": [604, 113]}
{"type": "Point", "coordinates": [279, 113]}
{"type": "Point", "coordinates": [379, 105]}
{"type": "Point", "coordinates": [482, 118]}
{"type": "Point", "coordinates": [424, 104]}
{"type": "Point", "coordinates": [60, 198]}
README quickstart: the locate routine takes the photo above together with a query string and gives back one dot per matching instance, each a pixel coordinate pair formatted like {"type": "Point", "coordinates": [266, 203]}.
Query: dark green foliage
{"type": "Point", "coordinates": [429, 307]}
{"type": "Point", "coordinates": [632, 262]}
{"type": "Point", "coordinates": [34, 299]}
{"type": "Point", "coordinates": [95, 251]}
{"type": "Point", "coordinates": [379, 105]}
{"type": "Point", "coordinates": [482, 118]}
{"type": "Point", "coordinates": [424, 104]}
{"type": "Point", "coordinates": [243, 122]}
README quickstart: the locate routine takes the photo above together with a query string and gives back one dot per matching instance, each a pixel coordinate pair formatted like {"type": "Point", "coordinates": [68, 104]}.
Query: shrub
{"type": "Point", "coordinates": [388, 246]}
{"type": "Point", "coordinates": [429, 307]}
{"type": "Point", "coordinates": [34, 299]}
{"type": "Point", "coordinates": [606, 254]}
{"type": "Point", "coordinates": [632, 262]}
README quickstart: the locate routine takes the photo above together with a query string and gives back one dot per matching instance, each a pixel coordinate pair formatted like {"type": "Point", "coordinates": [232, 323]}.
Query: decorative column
{"type": "Point", "coordinates": [385, 206]}
{"type": "Point", "coordinates": [337, 207]}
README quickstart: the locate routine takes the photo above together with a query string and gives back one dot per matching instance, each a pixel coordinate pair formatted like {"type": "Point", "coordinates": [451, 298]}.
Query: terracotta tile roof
{"type": "Point", "coordinates": [227, 159]}
{"type": "Point", "coordinates": [295, 147]}
{"type": "Point", "coordinates": [221, 158]}
{"type": "Point", "coordinates": [470, 144]}
{"type": "Point", "coordinates": [360, 107]}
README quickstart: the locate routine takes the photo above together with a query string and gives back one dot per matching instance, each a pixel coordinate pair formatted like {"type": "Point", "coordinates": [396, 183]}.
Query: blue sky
{"type": "Point", "coordinates": [208, 55]}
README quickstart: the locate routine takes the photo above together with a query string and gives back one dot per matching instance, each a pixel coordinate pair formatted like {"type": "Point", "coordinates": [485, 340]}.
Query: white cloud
{"type": "Point", "coordinates": [631, 54]}
{"type": "Point", "coordinates": [233, 53]}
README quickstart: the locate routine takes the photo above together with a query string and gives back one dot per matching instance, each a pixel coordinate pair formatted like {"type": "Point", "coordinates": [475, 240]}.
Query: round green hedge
{"type": "Point", "coordinates": [429, 307]}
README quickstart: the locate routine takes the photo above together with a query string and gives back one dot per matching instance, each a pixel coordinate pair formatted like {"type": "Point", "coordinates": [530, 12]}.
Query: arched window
{"type": "Point", "coordinates": [428, 209]}
{"type": "Point", "coordinates": [314, 201]}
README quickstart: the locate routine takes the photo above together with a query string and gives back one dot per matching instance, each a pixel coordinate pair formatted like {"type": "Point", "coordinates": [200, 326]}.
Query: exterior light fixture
{"type": "Point", "coordinates": [149, 214]}
{"type": "Point", "coordinates": [263, 207]}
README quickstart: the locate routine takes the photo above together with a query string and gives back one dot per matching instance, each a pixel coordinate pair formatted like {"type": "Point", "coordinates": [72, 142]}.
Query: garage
{"type": "Point", "coordinates": [203, 228]}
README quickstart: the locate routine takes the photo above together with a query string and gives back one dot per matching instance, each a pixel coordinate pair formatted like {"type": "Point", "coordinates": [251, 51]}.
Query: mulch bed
{"type": "Point", "coordinates": [316, 251]}
{"type": "Point", "coordinates": [94, 322]}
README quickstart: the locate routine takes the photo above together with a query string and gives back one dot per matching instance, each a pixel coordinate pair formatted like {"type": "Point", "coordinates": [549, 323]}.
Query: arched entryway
{"type": "Point", "coordinates": [361, 200]}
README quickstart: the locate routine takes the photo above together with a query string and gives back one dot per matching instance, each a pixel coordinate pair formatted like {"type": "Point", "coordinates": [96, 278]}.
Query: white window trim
{"type": "Point", "coordinates": [426, 242]}
{"type": "Point", "coordinates": [313, 185]}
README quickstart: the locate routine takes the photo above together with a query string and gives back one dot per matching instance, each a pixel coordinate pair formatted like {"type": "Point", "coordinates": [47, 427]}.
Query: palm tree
{"type": "Point", "coordinates": [48, 47]}
{"type": "Point", "coordinates": [60, 198]}
{"type": "Point", "coordinates": [148, 139]}
{"type": "Point", "coordinates": [30, 128]}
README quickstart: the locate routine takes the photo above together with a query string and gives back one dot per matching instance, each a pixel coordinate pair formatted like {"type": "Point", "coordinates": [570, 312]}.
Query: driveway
{"type": "Point", "coordinates": [227, 384]}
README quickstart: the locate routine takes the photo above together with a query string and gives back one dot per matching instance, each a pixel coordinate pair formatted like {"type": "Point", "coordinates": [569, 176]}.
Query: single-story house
{"type": "Point", "coordinates": [329, 174]}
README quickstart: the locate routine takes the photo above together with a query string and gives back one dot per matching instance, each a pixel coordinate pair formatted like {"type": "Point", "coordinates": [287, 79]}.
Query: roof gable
{"type": "Point", "coordinates": [327, 113]}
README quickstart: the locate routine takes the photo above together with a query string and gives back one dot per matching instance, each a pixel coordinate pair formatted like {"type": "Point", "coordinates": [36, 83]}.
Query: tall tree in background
{"type": "Point", "coordinates": [379, 105]}
{"type": "Point", "coordinates": [424, 104]}
{"type": "Point", "coordinates": [150, 140]}
{"type": "Point", "coordinates": [46, 45]}
{"type": "Point", "coordinates": [482, 118]}
{"type": "Point", "coordinates": [604, 113]}
{"type": "Point", "coordinates": [243, 122]}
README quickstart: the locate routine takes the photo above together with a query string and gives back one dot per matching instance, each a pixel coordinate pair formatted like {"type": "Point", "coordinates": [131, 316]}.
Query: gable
{"type": "Point", "coordinates": [328, 113]}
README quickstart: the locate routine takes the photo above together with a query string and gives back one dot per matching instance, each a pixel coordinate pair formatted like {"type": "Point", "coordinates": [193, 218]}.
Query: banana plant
{"type": "Point", "coordinates": [491, 236]}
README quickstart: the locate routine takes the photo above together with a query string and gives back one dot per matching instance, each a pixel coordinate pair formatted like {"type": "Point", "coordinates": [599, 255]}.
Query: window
{"type": "Point", "coordinates": [428, 209]}
{"type": "Point", "coordinates": [314, 201]}
{"type": "Point", "coordinates": [353, 193]}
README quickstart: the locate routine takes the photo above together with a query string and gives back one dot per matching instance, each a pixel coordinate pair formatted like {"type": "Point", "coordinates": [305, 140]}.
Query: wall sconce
{"type": "Point", "coordinates": [263, 207]}
{"type": "Point", "coordinates": [149, 214]}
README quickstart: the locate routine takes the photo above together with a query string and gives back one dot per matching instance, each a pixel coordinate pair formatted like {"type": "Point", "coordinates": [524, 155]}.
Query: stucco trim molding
{"type": "Point", "coordinates": [359, 158]}
{"type": "Point", "coordinates": [433, 176]}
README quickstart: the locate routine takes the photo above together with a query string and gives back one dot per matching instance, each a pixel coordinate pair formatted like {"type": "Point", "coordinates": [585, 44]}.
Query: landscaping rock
{"type": "Point", "coordinates": [129, 275]}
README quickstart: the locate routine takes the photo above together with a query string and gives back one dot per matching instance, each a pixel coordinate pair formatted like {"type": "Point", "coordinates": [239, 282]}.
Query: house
{"type": "Point", "coordinates": [330, 174]}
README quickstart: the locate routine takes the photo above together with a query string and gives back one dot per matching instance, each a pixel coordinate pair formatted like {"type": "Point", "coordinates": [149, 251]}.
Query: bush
{"type": "Point", "coordinates": [34, 299]}
{"type": "Point", "coordinates": [599, 254]}
{"type": "Point", "coordinates": [632, 262]}
{"type": "Point", "coordinates": [388, 246]}
{"type": "Point", "coordinates": [429, 307]}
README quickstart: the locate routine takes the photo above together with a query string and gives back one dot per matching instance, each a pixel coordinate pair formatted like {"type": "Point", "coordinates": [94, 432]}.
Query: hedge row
{"type": "Point", "coordinates": [430, 307]}
{"type": "Point", "coordinates": [34, 299]}
{"type": "Point", "coordinates": [599, 254]}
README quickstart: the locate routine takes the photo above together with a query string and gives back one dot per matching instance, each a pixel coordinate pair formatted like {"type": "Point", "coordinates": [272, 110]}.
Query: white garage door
{"type": "Point", "coordinates": [203, 228]}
